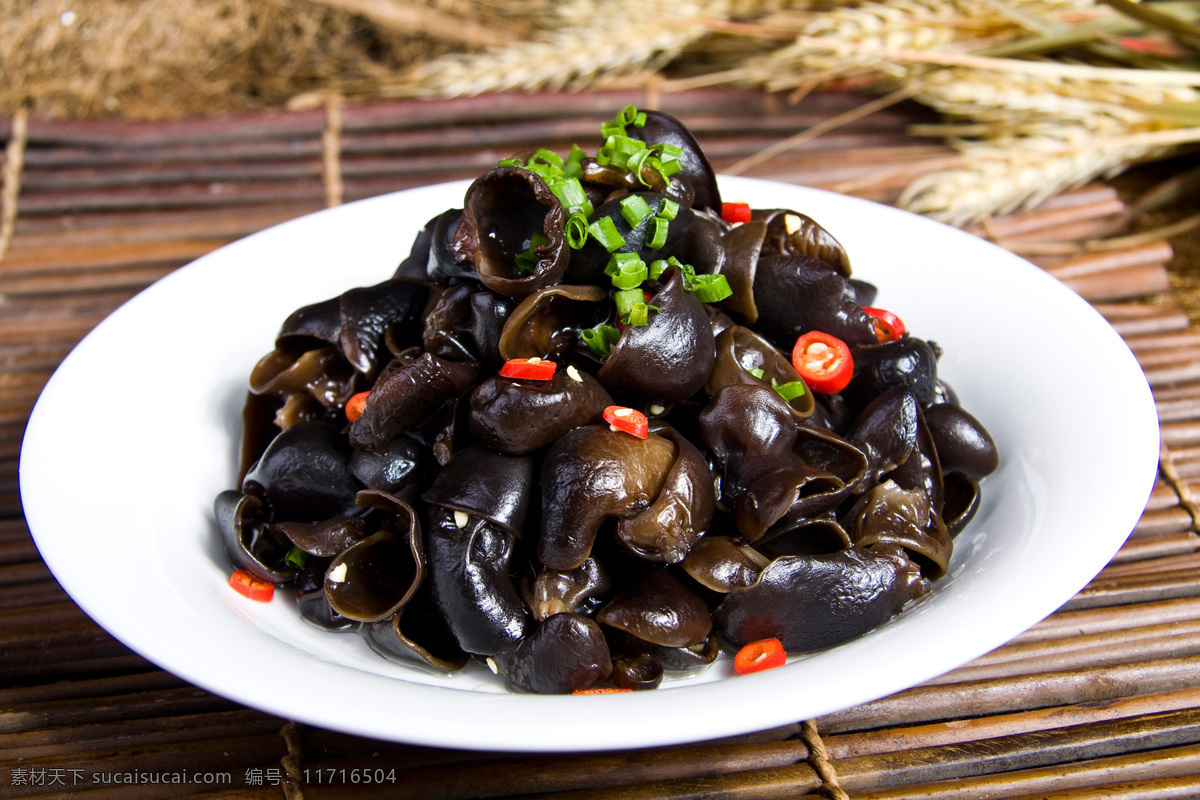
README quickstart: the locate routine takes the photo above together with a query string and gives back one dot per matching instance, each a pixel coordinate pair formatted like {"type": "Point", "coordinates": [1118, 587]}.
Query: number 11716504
{"type": "Point", "coordinates": [344, 775]}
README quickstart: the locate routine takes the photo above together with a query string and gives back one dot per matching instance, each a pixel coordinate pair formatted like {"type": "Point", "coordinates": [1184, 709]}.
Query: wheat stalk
{"type": "Point", "coordinates": [592, 43]}
{"type": "Point", "coordinates": [997, 179]}
{"type": "Point", "coordinates": [1042, 125]}
{"type": "Point", "coordinates": [1016, 99]}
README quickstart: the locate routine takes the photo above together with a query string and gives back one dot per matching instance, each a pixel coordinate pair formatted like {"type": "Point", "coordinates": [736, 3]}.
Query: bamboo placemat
{"type": "Point", "coordinates": [1100, 700]}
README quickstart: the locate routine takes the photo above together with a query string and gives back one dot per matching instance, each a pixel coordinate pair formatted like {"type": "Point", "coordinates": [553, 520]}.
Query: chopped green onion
{"type": "Point", "coordinates": [758, 373]}
{"type": "Point", "coordinates": [639, 315]}
{"type": "Point", "coordinates": [709, 288]}
{"type": "Point", "coordinates": [669, 209]}
{"type": "Point", "coordinates": [608, 129]}
{"type": "Point", "coordinates": [659, 266]}
{"type": "Point", "coordinates": [600, 339]}
{"type": "Point", "coordinates": [627, 273]}
{"type": "Point", "coordinates": [637, 160]}
{"type": "Point", "coordinates": [296, 558]}
{"type": "Point", "coordinates": [576, 230]}
{"type": "Point", "coordinates": [570, 193]}
{"type": "Point", "coordinates": [634, 209]}
{"type": "Point", "coordinates": [788, 391]}
{"type": "Point", "coordinates": [659, 237]}
{"type": "Point", "coordinates": [547, 172]}
{"type": "Point", "coordinates": [628, 115]}
{"type": "Point", "coordinates": [509, 162]}
{"type": "Point", "coordinates": [640, 120]}
{"type": "Point", "coordinates": [670, 158]}
{"type": "Point", "coordinates": [662, 158]}
{"type": "Point", "coordinates": [626, 299]}
{"type": "Point", "coordinates": [617, 151]}
{"type": "Point", "coordinates": [573, 167]}
{"type": "Point", "coordinates": [706, 288]}
{"type": "Point", "coordinates": [527, 261]}
{"type": "Point", "coordinates": [606, 233]}
{"type": "Point", "coordinates": [546, 156]}
{"type": "Point", "coordinates": [617, 260]}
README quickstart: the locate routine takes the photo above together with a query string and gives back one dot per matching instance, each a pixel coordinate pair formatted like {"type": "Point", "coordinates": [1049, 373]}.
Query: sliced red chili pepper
{"type": "Point", "coordinates": [735, 212]}
{"type": "Point", "coordinates": [629, 420]}
{"type": "Point", "coordinates": [602, 690]}
{"type": "Point", "coordinates": [759, 655]}
{"type": "Point", "coordinates": [355, 406]}
{"type": "Point", "coordinates": [823, 361]}
{"type": "Point", "coordinates": [252, 587]}
{"type": "Point", "coordinates": [530, 369]}
{"type": "Point", "coordinates": [888, 327]}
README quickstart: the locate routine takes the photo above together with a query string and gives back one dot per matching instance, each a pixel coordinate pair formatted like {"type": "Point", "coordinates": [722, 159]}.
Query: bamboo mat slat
{"type": "Point", "coordinates": [1099, 700]}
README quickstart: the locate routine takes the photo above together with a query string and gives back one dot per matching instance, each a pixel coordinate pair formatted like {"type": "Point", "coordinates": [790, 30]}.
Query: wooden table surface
{"type": "Point", "coordinates": [1100, 700]}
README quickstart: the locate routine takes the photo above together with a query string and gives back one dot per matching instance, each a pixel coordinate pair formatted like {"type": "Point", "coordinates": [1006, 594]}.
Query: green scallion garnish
{"type": "Point", "coordinates": [606, 233]}
{"type": "Point", "coordinates": [669, 157]}
{"type": "Point", "coordinates": [626, 270]}
{"type": "Point", "coordinates": [527, 261]}
{"type": "Point", "coordinates": [659, 266]}
{"type": "Point", "coordinates": [600, 339]}
{"type": "Point", "coordinates": [669, 209]}
{"type": "Point", "coordinates": [296, 558]}
{"type": "Point", "coordinates": [635, 209]}
{"type": "Point", "coordinates": [613, 128]}
{"type": "Point", "coordinates": [547, 157]}
{"type": "Point", "coordinates": [788, 391]}
{"type": "Point", "coordinates": [573, 168]}
{"type": "Point", "coordinates": [626, 299]}
{"type": "Point", "coordinates": [639, 315]}
{"type": "Point", "coordinates": [709, 288]}
{"type": "Point", "coordinates": [618, 150]}
{"type": "Point", "coordinates": [546, 172]}
{"type": "Point", "coordinates": [659, 237]}
{"type": "Point", "coordinates": [758, 373]}
{"type": "Point", "coordinates": [570, 193]}
{"type": "Point", "coordinates": [576, 230]}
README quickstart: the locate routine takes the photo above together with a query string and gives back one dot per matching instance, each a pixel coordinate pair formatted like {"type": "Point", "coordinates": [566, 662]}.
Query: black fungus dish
{"type": "Point", "coordinates": [600, 426]}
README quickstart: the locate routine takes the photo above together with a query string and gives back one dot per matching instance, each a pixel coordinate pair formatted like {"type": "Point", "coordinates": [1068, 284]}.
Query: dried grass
{"type": "Point", "coordinates": [159, 58]}
{"type": "Point", "coordinates": [1034, 98]}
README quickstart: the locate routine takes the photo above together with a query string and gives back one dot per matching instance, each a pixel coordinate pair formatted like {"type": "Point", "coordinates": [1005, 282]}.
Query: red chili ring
{"type": "Point", "coordinates": [759, 655]}
{"type": "Point", "coordinates": [529, 369]}
{"type": "Point", "coordinates": [250, 586]}
{"type": "Point", "coordinates": [888, 327]}
{"type": "Point", "coordinates": [823, 361]}
{"type": "Point", "coordinates": [629, 420]}
{"type": "Point", "coordinates": [735, 212]}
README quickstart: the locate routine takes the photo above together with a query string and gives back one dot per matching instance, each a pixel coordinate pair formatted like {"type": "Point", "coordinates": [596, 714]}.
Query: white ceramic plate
{"type": "Point", "coordinates": [137, 432]}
